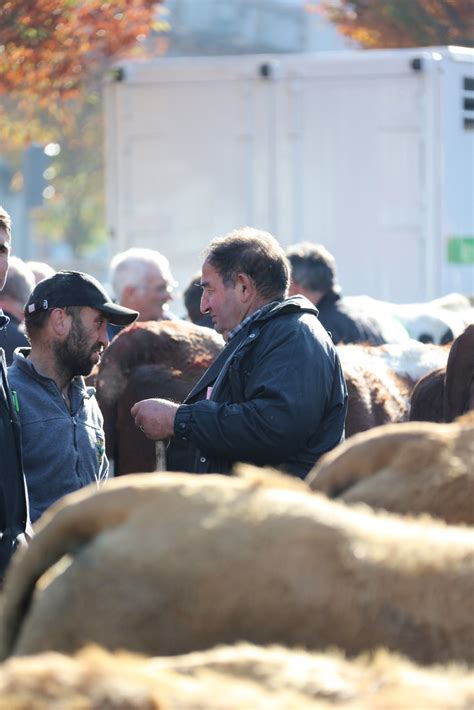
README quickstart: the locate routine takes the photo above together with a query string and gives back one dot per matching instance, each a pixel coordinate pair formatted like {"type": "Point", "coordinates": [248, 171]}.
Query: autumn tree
{"type": "Point", "coordinates": [403, 23]}
{"type": "Point", "coordinates": [53, 50]}
{"type": "Point", "coordinates": [53, 55]}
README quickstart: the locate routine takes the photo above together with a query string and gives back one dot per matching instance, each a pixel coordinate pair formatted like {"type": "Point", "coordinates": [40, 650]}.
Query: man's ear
{"type": "Point", "coordinates": [246, 287]}
{"type": "Point", "coordinates": [60, 322]}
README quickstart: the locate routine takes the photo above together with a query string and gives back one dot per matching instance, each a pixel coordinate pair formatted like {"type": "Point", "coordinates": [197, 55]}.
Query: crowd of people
{"type": "Point", "coordinates": [275, 395]}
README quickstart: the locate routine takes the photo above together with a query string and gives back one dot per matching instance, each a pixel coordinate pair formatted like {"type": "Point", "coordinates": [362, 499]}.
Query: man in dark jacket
{"type": "Point", "coordinates": [276, 394]}
{"type": "Point", "coordinates": [18, 286]}
{"type": "Point", "coordinates": [13, 502]}
{"type": "Point", "coordinates": [313, 274]}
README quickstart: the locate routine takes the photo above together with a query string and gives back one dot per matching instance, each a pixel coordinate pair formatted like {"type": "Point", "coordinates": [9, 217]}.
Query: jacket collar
{"type": "Point", "coordinates": [4, 319]}
{"type": "Point", "coordinates": [329, 298]}
{"type": "Point", "coordinates": [270, 310]}
{"type": "Point", "coordinates": [288, 305]}
{"type": "Point", "coordinates": [11, 318]}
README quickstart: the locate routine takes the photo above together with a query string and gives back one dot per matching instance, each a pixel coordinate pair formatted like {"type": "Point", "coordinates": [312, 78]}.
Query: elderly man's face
{"type": "Point", "coordinates": [4, 256]}
{"type": "Point", "coordinates": [223, 303]}
{"type": "Point", "coordinates": [151, 297]}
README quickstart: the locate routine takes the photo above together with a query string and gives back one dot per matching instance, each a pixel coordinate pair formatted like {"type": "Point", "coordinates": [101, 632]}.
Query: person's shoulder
{"type": "Point", "coordinates": [113, 330]}
{"type": "Point", "coordinates": [20, 369]}
{"type": "Point", "coordinates": [293, 305]}
{"type": "Point", "coordinates": [295, 318]}
{"type": "Point", "coordinates": [15, 338]}
{"type": "Point", "coordinates": [20, 357]}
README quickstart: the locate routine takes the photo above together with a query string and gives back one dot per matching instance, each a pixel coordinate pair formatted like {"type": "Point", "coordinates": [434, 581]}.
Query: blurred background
{"type": "Point", "coordinates": [55, 138]}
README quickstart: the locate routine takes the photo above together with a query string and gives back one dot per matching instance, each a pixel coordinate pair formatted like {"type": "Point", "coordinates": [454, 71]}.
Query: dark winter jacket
{"type": "Point", "coordinates": [13, 503]}
{"type": "Point", "coordinates": [347, 323]}
{"type": "Point", "coordinates": [278, 396]}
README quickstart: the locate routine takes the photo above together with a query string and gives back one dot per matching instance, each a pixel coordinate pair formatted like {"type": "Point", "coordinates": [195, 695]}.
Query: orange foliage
{"type": "Point", "coordinates": [48, 45]}
{"type": "Point", "coordinates": [51, 49]}
{"type": "Point", "coordinates": [404, 23]}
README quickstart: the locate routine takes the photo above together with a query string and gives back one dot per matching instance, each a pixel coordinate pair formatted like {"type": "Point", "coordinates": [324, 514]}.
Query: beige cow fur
{"type": "Point", "coordinates": [241, 677]}
{"type": "Point", "coordinates": [171, 563]}
{"type": "Point", "coordinates": [416, 467]}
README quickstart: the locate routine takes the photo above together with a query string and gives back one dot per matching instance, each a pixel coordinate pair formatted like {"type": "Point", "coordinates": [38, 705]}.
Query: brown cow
{"type": "Point", "coordinates": [151, 359]}
{"type": "Point", "coordinates": [446, 393]}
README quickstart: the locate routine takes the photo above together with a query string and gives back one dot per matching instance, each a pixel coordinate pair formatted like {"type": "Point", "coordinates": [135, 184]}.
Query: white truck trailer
{"type": "Point", "coordinates": [369, 152]}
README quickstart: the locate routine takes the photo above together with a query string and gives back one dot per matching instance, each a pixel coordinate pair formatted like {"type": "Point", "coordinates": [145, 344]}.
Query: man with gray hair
{"type": "Point", "coordinates": [18, 286]}
{"type": "Point", "coordinates": [141, 280]}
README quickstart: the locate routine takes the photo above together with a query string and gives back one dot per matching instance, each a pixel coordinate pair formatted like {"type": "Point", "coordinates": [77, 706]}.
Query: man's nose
{"type": "Point", "coordinates": [103, 337]}
{"type": "Point", "coordinates": [165, 294]}
{"type": "Point", "coordinates": [205, 308]}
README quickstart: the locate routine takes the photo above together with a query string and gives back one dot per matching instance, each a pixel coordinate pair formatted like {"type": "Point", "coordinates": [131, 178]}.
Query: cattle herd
{"type": "Point", "coordinates": [352, 589]}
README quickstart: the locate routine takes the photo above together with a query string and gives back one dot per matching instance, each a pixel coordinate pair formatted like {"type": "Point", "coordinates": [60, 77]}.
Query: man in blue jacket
{"type": "Point", "coordinates": [66, 319]}
{"type": "Point", "coordinates": [276, 394]}
{"type": "Point", "coordinates": [14, 523]}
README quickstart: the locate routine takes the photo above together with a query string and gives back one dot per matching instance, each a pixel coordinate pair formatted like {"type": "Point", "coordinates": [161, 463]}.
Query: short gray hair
{"type": "Point", "coordinates": [20, 281]}
{"type": "Point", "coordinates": [130, 268]}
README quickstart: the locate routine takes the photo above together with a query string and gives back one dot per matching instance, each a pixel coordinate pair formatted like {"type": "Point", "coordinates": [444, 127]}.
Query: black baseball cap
{"type": "Point", "coordinates": [74, 288]}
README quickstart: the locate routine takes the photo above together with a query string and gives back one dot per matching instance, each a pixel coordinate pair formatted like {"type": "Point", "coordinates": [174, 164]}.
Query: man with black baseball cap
{"type": "Point", "coordinates": [66, 319]}
{"type": "Point", "coordinates": [73, 288]}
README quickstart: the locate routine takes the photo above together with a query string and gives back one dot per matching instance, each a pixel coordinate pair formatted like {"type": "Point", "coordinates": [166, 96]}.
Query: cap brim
{"type": "Point", "coordinates": [118, 315]}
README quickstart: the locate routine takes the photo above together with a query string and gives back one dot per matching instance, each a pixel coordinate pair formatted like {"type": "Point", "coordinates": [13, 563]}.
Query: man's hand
{"type": "Point", "coordinates": [155, 417]}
